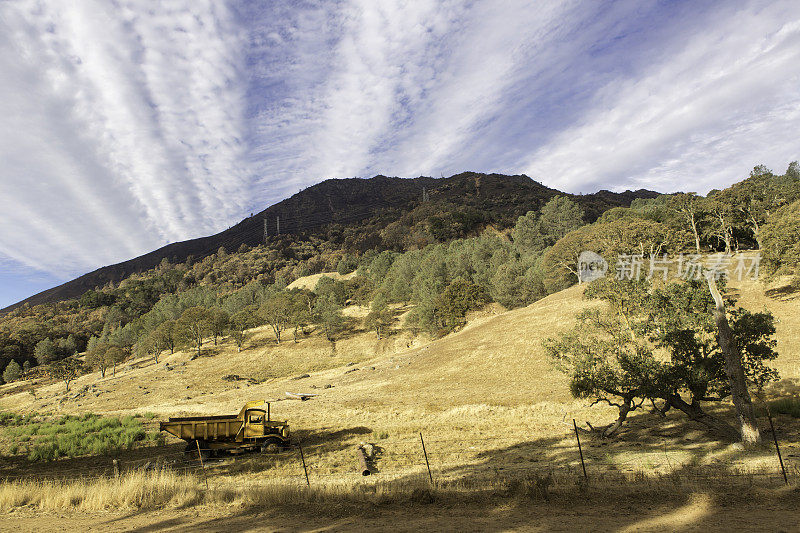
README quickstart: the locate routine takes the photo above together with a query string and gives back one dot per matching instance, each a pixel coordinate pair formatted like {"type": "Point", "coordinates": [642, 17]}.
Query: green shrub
{"type": "Point", "coordinates": [10, 419]}
{"type": "Point", "coordinates": [786, 406]}
{"type": "Point", "coordinates": [72, 436]}
{"type": "Point", "coordinates": [781, 241]}
{"type": "Point", "coordinates": [458, 298]}
{"type": "Point", "coordinates": [12, 372]}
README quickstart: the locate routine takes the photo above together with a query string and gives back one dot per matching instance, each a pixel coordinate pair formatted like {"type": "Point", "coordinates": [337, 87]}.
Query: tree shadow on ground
{"type": "Point", "coordinates": [17, 466]}
{"type": "Point", "coordinates": [785, 292]}
{"type": "Point", "coordinates": [313, 442]}
{"type": "Point", "coordinates": [539, 483]}
{"type": "Point", "coordinates": [261, 342]}
{"type": "Point", "coordinates": [649, 443]}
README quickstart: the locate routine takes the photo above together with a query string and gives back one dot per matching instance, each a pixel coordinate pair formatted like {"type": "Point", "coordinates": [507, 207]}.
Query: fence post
{"type": "Point", "coordinates": [116, 468]}
{"type": "Point", "coordinates": [580, 450]}
{"type": "Point", "coordinates": [303, 459]}
{"type": "Point", "coordinates": [202, 464]}
{"type": "Point", "coordinates": [777, 448]}
{"type": "Point", "coordinates": [426, 457]}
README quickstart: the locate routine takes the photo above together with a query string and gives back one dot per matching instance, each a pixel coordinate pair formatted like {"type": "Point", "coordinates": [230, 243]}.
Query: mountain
{"type": "Point", "coordinates": [500, 198]}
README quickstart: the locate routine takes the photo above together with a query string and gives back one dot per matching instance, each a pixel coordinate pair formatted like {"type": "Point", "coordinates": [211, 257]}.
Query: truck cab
{"type": "Point", "coordinates": [258, 424]}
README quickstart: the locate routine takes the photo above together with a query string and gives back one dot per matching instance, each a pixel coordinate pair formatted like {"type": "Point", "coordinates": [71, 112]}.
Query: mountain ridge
{"type": "Point", "coordinates": [349, 201]}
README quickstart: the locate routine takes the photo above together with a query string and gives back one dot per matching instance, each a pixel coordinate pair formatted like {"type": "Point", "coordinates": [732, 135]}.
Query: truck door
{"type": "Point", "coordinates": [254, 423]}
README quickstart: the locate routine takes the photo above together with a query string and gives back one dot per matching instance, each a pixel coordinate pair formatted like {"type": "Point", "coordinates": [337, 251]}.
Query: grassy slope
{"type": "Point", "coordinates": [485, 396]}
{"type": "Point", "coordinates": [488, 401]}
{"type": "Point", "coordinates": [786, 309]}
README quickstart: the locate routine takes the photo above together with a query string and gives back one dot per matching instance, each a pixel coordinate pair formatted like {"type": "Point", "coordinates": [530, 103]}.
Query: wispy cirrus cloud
{"type": "Point", "coordinates": [726, 99]}
{"type": "Point", "coordinates": [123, 129]}
{"type": "Point", "coordinates": [128, 125]}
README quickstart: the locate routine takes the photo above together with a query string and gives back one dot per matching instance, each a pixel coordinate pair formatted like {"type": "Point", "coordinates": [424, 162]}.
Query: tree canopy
{"type": "Point", "coordinates": [649, 341]}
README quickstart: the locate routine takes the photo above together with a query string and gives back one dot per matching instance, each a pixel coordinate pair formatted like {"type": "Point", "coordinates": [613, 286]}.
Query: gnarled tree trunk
{"type": "Point", "coordinates": [696, 413]}
{"type": "Point", "coordinates": [612, 428]}
{"type": "Point", "coordinates": [734, 369]}
{"type": "Point", "coordinates": [625, 407]}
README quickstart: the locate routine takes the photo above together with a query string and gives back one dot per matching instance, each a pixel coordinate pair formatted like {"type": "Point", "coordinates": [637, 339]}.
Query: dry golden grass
{"type": "Point", "coordinates": [136, 490]}
{"type": "Point", "coordinates": [309, 282]}
{"type": "Point", "coordinates": [489, 403]}
{"type": "Point", "coordinates": [786, 308]}
{"type": "Point", "coordinates": [163, 490]}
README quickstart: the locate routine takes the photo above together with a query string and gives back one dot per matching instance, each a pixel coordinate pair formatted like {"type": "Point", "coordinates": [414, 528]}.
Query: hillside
{"type": "Point", "coordinates": [492, 376]}
{"type": "Point", "coordinates": [489, 402]}
{"type": "Point", "coordinates": [353, 202]}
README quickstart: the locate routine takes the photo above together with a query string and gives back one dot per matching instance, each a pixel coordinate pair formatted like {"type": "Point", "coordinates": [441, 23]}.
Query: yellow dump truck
{"type": "Point", "coordinates": [252, 429]}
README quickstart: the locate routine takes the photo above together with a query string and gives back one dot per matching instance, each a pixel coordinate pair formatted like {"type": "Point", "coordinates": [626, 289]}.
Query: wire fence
{"type": "Point", "coordinates": [437, 458]}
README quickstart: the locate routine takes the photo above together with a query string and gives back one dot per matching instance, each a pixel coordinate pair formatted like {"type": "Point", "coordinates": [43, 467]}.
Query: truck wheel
{"type": "Point", "coordinates": [271, 446]}
{"type": "Point", "coordinates": [190, 448]}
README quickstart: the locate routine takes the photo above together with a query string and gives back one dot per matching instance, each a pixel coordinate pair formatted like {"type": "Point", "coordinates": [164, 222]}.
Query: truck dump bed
{"type": "Point", "coordinates": [199, 418]}
{"type": "Point", "coordinates": [205, 428]}
{"type": "Point", "coordinates": [252, 427]}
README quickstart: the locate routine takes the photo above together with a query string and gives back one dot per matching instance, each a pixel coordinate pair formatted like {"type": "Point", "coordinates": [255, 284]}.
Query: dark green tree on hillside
{"type": "Point", "coordinates": [125, 337]}
{"type": "Point", "coordinates": [689, 207]}
{"type": "Point", "coordinates": [328, 287]}
{"type": "Point", "coordinates": [379, 266]}
{"type": "Point", "coordinates": [165, 336]}
{"type": "Point", "coordinates": [380, 316]}
{"type": "Point", "coordinates": [535, 232]}
{"type": "Point", "coordinates": [302, 310]}
{"type": "Point", "coordinates": [148, 345]}
{"type": "Point", "coordinates": [96, 357]}
{"type": "Point", "coordinates": [12, 372]}
{"type": "Point", "coordinates": [65, 370]}
{"type": "Point", "coordinates": [629, 235]}
{"type": "Point", "coordinates": [721, 223]}
{"type": "Point", "coordinates": [45, 351]}
{"type": "Point", "coordinates": [660, 344]}
{"type": "Point", "coordinates": [103, 356]}
{"type": "Point", "coordinates": [781, 241]}
{"type": "Point", "coordinates": [115, 356]}
{"type": "Point", "coordinates": [793, 171]}
{"type": "Point", "coordinates": [759, 196]}
{"type": "Point", "coordinates": [347, 264]}
{"type": "Point", "coordinates": [460, 297]}
{"type": "Point", "coordinates": [193, 325]}
{"type": "Point", "coordinates": [559, 216]}
{"type": "Point", "coordinates": [218, 322]}
{"type": "Point", "coordinates": [517, 283]}
{"type": "Point", "coordinates": [328, 313]}
{"type": "Point", "coordinates": [276, 312]}
{"type": "Point", "coordinates": [67, 347]}
{"type": "Point", "coordinates": [240, 323]}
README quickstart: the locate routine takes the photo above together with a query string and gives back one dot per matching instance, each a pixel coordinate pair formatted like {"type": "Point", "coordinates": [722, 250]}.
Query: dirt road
{"type": "Point", "coordinates": [698, 512]}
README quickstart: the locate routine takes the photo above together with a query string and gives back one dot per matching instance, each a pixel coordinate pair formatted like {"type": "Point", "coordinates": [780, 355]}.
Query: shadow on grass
{"type": "Point", "coordinates": [538, 483]}
{"type": "Point", "coordinates": [18, 466]}
{"type": "Point", "coordinates": [314, 442]}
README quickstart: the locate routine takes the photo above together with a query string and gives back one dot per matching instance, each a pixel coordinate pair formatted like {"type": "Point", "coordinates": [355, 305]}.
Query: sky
{"type": "Point", "coordinates": [128, 124]}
